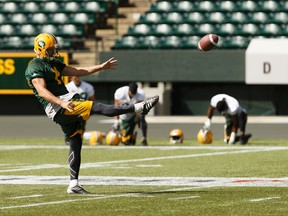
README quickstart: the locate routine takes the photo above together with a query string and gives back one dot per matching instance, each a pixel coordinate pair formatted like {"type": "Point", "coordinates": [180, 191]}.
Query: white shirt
{"type": "Point", "coordinates": [122, 95]}
{"type": "Point", "coordinates": [232, 103]}
{"type": "Point", "coordinates": [85, 90]}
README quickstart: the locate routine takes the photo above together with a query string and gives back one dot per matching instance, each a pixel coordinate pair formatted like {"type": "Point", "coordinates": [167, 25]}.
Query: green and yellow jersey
{"type": "Point", "coordinates": [51, 72]}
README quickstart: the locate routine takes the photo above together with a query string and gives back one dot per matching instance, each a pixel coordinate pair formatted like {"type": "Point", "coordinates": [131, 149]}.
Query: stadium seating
{"type": "Point", "coordinates": [66, 19]}
{"type": "Point", "coordinates": [179, 24]}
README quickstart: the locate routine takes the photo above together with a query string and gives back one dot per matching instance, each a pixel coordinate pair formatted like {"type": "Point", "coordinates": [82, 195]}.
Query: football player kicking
{"type": "Point", "coordinates": [235, 117]}
{"type": "Point", "coordinates": [44, 75]}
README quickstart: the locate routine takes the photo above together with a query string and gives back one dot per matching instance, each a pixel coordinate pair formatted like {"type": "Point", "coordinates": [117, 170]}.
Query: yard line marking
{"type": "Point", "coordinates": [264, 199]}
{"type": "Point", "coordinates": [148, 181]}
{"type": "Point", "coordinates": [24, 197]}
{"type": "Point", "coordinates": [183, 198]}
{"type": "Point", "coordinates": [97, 164]}
{"type": "Point", "coordinates": [74, 200]}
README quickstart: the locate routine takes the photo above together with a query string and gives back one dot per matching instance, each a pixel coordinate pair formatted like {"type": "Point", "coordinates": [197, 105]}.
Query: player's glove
{"type": "Point", "coordinates": [116, 125]}
{"type": "Point", "coordinates": [232, 138]}
{"type": "Point", "coordinates": [207, 124]}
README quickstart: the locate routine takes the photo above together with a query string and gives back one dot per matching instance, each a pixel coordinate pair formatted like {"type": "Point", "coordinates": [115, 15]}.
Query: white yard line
{"type": "Point", "coordinates": [25, 197]}
{"type": "Point", "coordinates": [76, 200]}
{"type": "Point", "coordinates": [184, 198]}
{"type": "Point", "coordinates": [264, 199]}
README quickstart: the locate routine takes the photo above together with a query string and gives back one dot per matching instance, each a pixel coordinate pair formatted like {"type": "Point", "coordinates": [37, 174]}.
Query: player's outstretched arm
{"type": "Point", "coordinates": [84, 71]}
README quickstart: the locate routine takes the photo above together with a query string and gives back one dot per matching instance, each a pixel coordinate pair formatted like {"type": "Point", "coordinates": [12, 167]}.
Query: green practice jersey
{"type": "Point", "coordinates": [51, 72]}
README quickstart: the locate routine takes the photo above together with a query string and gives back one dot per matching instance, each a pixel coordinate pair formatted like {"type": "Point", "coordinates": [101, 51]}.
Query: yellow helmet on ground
{"type": "Point", "coordinates": [45, 41]}
{"type": "Point", "coordinates": [205, 136]}
{"type": "Point", "coordinates": [113, 138]}
{"type": "Point", "coordinates": [96, 138]}
{"type": "Point", "coordinates": [176, 136]}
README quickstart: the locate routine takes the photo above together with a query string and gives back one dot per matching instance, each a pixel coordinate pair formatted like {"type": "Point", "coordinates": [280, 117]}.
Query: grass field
{"type": "Point", "coordinates": [186, 179]}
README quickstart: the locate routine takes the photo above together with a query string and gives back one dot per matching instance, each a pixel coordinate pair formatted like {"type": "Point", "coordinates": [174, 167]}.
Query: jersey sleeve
{"type": "Point", "coordinates": [60, 65]}
{"type": "Point", "coordinates": [214, 101]}
{"type": "Point", "coordinates": [90, 90]}
{"type": "Point", "coordinates": [34, 70]}
{"type": "Point", "coordinates": [117, 94]}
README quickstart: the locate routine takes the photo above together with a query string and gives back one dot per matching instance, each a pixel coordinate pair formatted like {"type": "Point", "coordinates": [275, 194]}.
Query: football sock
{"type": "Point", "coordinates": [74, 158]}
{"type": "Point", "coordinates": [138, 107]}
{"type": "Point", "coordinates": [111, 110]}
{"type": "Point", "coordinates": [73, 183]}
{"type": "Point", "coordinates": [143, 125]}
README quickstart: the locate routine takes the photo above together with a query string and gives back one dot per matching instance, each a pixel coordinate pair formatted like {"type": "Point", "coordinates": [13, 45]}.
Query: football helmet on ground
{"type": "Point", "coordinates": [113, 138]}
{"type": "Point", "coordinates": [43, 42]}
{"type": "Point", "coordinates": [176, 136]}
{"type": "Point", "coordinates": [205, 136]}
{"type": "Point", "coordinates": [96, 138]}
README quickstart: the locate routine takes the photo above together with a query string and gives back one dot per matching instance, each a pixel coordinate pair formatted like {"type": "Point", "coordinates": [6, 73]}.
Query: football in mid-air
{"type": "Point", "coordinates": [208, 42]}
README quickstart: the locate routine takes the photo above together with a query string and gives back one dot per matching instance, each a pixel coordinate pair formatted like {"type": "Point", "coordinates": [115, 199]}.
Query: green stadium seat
{"type": "Point", "coordinates": [194, 17]}
{"type": "Point", "coordinates": [51, 7]}
{"type": "Point", "coordinates": [237, 17]}
{"type": "Point", "coordinates": [226, 6]}
{"type": "Point", "coordinates": [149, 42]}
{"type": "Point", "coordinates": [49, 28]}
{"type": "Point", "coordinates": [26, 30]}
{"type": "Point", "coordinates": [259, 17]}
{"type": "Point", "coordinates": [247, 6]}
{"type": "Point", "coordinates": [204, 28]}
{"type": "Point", "coordinates": [83, 18]}
{"type": "Point", "coordinates": [172, 18]}
{"type": "Point", "coordinates": [248, 29]}
{"type": "Point", "coordinates": [216, 17]}
{"type": "Point", "coordinates": [126, 42]}
{"type": "Point", "coordinates": [170, 42]}
{"type": "Point", "coordinates": [65, 43]}
{"type": "Point", "coordinates": [12, 42]}
{"type": "Point", "coordinates": [161, 6]}
{"type": "Point", "coordinates": [18, 18]}
{"type": "Point", "coordinates": [9, 7]}
{"type": "Point", "coordinates": [7, 30]}
{"type": "Point", "coordinates": [184, 6]}
{"type": "Point", "coordinates": [139, 29]}
{"type": "Point", "coordinates": [270, 29]}
{"type": "Point", "coordinates": [162, 30]}
{"type": "Point", "coordinates": [30, 7]}
{"type": "Point", "coordinates": [269, 6]}
{"type": "Point", "coordinates": [59, 18]}
{"type": "Point", "coordinates": [235, 42]}
{"type": "Point", "coordinates": [150, 18]}
{"type": "Point", "coordinates": [72, 6]}
{"type": "Point", "coordinates": [183, 29]}
{"type": "Point", "coordinates": [190, 42]}
{"type": "Point", "coordinates": [70, 30]}
{"type": "Point", "coordinates": [93, 6]}
{"type": "Point", "coordinates": [40, 18]}
{"type": "Point", "coordinates": [280, 17]}
{"type": "Point", "coordinates": [227, 29]}
{"type": "Point", "coordinates": [206, 6]}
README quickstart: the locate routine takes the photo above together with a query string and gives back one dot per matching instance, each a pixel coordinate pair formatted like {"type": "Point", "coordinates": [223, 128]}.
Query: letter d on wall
{"type": "Point", "coordinates": [266, 61]}
{"type": "Point", "coordinates": [266, 67]}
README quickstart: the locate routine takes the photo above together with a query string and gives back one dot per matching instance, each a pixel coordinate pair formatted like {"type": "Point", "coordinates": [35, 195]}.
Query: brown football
{"type": "Point", "coordinates": [208, 42]}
